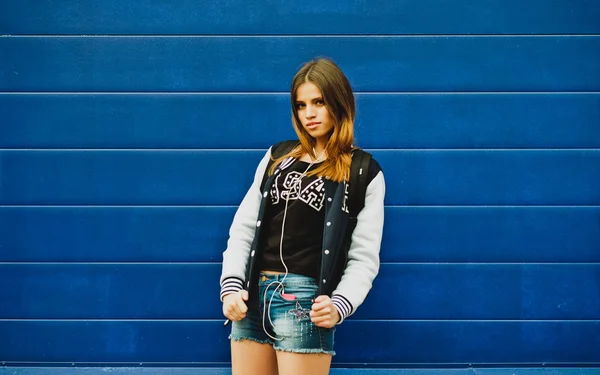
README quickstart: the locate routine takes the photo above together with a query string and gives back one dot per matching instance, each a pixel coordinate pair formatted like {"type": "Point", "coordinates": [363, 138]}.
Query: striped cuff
{"type": "Point", "coordinates": [231, 285]}
{"type": "Point", "coordinates": [343, 306]}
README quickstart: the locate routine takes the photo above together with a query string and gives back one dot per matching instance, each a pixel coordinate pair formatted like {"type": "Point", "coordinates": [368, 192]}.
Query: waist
{"type": "Point", "coordinates": [269, 273]}
{"type": "Point", "coordinates": [290, 278]}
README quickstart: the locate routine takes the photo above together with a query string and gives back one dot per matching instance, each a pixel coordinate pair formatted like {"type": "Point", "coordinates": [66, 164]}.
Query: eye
{"type": "Point", "coordinates": [300, 105]}
{"type": "Point", "coordinates": [320, 102]}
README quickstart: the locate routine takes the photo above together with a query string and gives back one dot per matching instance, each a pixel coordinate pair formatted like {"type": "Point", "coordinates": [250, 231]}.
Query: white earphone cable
{"type": "Point", "coordinates": [296, 189]}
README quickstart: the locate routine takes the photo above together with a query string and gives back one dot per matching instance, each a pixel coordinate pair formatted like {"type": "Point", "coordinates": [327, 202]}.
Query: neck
{"type": "Point", "coordinates": [319, 147]}
{"type": "Point", "coordinates": [319, 155]}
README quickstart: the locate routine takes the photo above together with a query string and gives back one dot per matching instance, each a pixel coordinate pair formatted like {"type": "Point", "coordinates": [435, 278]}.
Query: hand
{"type": "Point", "coordinates": [234, 306]}
{"type": "Point", "coordinates": [323, 313]}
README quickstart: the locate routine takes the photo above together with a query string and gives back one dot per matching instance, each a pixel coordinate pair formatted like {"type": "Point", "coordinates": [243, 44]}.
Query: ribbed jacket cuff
{"type": "Point", "coordinates": [231, 285]}
{"type": "Point", "coordinates": [343, 306]}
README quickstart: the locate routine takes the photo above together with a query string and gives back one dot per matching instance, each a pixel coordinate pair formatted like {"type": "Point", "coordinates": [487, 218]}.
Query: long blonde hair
{"type": "Point", "coordinates": [339, 101]}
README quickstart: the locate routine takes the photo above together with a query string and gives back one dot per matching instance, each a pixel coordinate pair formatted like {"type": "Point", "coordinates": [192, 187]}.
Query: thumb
{"type": "Point", "coordinates": [321, 298]}
{"type": "Point", "coordinates": [245, 295]}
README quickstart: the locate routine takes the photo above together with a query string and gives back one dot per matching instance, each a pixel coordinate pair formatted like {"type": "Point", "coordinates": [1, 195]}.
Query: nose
{"type": "Point", "coordinates": [310, 112]}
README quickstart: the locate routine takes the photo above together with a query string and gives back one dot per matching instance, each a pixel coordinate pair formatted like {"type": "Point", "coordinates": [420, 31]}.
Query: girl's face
{"type": "Point", "coordinates": [313, 113]}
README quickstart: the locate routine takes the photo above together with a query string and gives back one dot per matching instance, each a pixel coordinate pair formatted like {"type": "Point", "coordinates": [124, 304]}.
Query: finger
{"type": "Point", "coordinates": [233, 311]}
{"type": "Point", "coordinates": [325, 324]}
{"type": "Point", "coordinates": [320, 312]}
{"type": "Point", "coordinates": [230, 315]}
{"type": "Point", "coordinates": [244, 294]}
{"type": "Point", "coordinates": [236, 316]}
{"type": "Point", "coordinates": [228, 298]}
{"type": "Point", "coordinates": [321, 298]}
{"type": "Point", "coordinates": [322, 305]}
{"type": "Point", "coordinates": [320, 319]}
{"type": "Point", "coordinates": [240, 305]}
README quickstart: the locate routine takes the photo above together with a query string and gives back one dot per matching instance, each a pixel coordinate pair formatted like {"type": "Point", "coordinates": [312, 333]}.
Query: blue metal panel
{"type": "Point", "coordinates": [492, 234]}
{"type": "Point", "coordinates": [492, 177]}
{"type": "Point", "coordinates": [537, 371]}
{"type": "Point", "coordinates": [567, 177]}
{"type": "Point", "coordinates": [117, 370]}
{"type": "Point", "coordinates": [471, 342]}
{"type": "Point", "coordinates": [110, 291]}
{"type": "Point", "coordinates": [259, 120]}
{"type": "Point", "coordinates": [126, 177]}
{"type": "Point", "coordinates": [413, 234]}
{"type": "Point", "coordinates": [334, 371]}
{"type": "Point", "coordinates": [56, 370]}
{"type": "Point", "coordinates": [312, 17]}
{"type": "Point", "coordinates": [132, 341]}
{"type": "Point", "coordinates": [115, 233]}
{"type": "Point", "coordinates": [407, 342]}
{"type": "Point", "coordinates": [408, 291]}
{"type": "Point", "coordinates": [124, 370]}
{"type": "Point", "coordinates": [484, 291]}
{"type": "Point", "coordinates": [557, 63]}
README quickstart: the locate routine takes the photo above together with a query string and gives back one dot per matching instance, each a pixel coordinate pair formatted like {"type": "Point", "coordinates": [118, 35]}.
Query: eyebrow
{"type": "Point", "coordinates": [314, 99]}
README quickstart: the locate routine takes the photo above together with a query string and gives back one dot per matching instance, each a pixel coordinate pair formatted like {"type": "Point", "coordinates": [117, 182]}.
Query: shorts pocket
{"type": "Point", "coordinates": [299, 292]}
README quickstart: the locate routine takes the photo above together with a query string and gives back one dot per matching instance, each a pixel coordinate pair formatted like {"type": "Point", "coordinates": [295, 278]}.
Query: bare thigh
{"type": "Point", "coordinates": [252, 358]}
{"type": "Point", "coordinates": [302, 364]}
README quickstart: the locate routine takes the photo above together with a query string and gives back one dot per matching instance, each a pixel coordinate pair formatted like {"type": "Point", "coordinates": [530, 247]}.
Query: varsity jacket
{"type": "Point", "coordinates": [347, 270]}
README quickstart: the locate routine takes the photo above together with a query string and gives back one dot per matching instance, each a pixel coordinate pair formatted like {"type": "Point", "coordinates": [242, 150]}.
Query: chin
{"type": "Point", "coordinates": [312, 133]}
{"type": "Point", "coordinates": [316, 135]}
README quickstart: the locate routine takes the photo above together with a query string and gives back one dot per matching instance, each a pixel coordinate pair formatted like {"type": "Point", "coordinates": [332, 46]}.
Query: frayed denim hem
{"type": "Point", "coordinates": [236, 338]}
{"type": "Point", "coordinates": [305, 351]}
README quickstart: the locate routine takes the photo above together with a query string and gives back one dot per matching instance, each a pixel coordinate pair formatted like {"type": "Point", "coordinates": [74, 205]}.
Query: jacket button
{"type": "Point", "coordinates": [258, 223]}
{"type": "Point", "coordinates": [265, 194]}
{"type": "Point", "coordinates": [248, 284]}
{"type": "Point", "coordinates": [326, 252]}
{"type": "Point", "coordinates": [329, 199]}
{"type": "Point", "coordinates": [328, 223]}
{"type": "Point", "coordinates": [252, 253]}
{"type": "Point", "coordinates": [324, 281]}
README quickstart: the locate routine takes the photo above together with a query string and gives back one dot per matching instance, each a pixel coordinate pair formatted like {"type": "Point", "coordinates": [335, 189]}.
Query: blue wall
{"type": "Point", "coordinates": [129, 131]}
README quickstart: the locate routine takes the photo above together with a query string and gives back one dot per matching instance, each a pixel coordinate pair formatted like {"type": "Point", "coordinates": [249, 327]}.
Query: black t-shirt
{"type": "Point", "coordinates": [303, 229]}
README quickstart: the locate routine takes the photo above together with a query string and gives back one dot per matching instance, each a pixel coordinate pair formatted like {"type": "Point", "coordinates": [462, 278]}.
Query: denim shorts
{"type": "Point", "coordinates": [289, 323]}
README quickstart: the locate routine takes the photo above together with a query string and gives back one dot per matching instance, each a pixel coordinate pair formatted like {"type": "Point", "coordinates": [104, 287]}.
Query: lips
{"type": "Point", "coordinates": [312, 125]}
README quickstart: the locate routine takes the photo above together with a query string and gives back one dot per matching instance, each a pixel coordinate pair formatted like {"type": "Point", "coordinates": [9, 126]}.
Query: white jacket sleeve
{"type": "Point", "coordinates": [363, 255]}
{"type": "Point", "coordinates": [241, 234]}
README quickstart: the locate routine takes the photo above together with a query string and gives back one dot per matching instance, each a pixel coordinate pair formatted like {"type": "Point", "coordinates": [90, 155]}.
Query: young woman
{"type": "Point", "coordinates": [288, 276]}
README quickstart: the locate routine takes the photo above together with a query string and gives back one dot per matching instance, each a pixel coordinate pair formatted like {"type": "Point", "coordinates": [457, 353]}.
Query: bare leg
{"type": "Point", "coordinates": [302, 364]}
{"type": "Point", "coordinates": [251, 358]}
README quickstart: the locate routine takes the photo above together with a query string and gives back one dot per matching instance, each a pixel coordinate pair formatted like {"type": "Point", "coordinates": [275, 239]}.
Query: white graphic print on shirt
{"type": "Point", "coordinates": [312, 194]}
